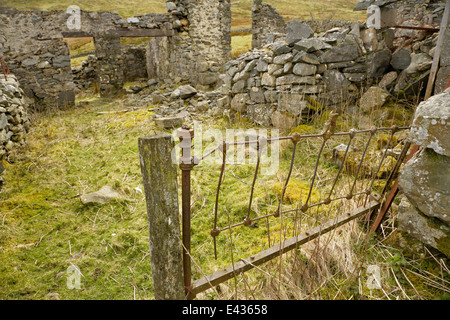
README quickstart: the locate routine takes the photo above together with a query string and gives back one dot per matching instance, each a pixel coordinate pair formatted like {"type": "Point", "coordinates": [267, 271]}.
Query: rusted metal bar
{"type": "Point", "coordinates": [186, 225]}
{"type": "Point", "coordinates": [305, 206]}
{"type": "Point", "coordinates": [215, 232]}
{"type": "Point", "coordinates": [430, 85]}
{"type": "Point", "coordinates": [247, 220]}
{"type": "Point", "coordinates": [372, 133]}
{"type": "Point", "coordinates": [185, 134]}
{"type": "Point", "coordinates": [394, 190]}
{"type": "Point", "coordinates": [328, 201]}
{"type": "Point", "coordinates": [396, 168]}
{"type": "Point", "coordinates": [295, 140]}
{"type": "Point", "coordinates": [375, 174]}
{"type": "Point", "coordinates": [318, 135]}
{"type": "Point", "coordinates": [229, 272]}
{"type": "Point", "coordinates": [390, 198]}
{"type": "Point", "coordinates": [448, 83]}
{"type": "Point", "coordinates": [417, 28]}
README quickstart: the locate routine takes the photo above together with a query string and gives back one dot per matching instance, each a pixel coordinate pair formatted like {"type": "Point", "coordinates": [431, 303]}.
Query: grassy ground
{"type": "Point", "coordinates": [124, 8]}
{"type": "Point", "coordinates": [45, 229]}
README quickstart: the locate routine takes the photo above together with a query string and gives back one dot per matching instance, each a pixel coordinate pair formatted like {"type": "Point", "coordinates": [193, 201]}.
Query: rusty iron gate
{"type": "Point", "coordinates": [371, 203]}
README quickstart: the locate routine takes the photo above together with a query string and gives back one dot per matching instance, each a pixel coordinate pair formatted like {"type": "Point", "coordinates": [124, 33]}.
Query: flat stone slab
{"type": "Point", "coordinates": [296, 30]}
{"type": "Point", "coordinates": [102, 196]}
{"type": "Point", "coordinates": [169, 122]}
{"type": "Point", "coordinates": [373, 99]}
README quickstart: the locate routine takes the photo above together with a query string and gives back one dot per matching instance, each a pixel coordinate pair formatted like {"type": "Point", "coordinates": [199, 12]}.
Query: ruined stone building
{"type": "Point", "coordinates": [190, 41]}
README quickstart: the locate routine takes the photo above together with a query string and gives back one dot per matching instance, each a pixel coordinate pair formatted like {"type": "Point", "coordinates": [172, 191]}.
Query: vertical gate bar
{"type": "Point", "coordinates": [215, 232]}
{"type": "Point", "coordinates": [391, 196]}
{"type": "Point", "coordinates": [372, 133]}
{"type": "Point", "coordinates": [352, 135]}
{"type": "Point", "coordinates": [295, 140]}
{"type": "Point", "coordinates": [185, 134]}
{"type": "Point", "coordinates": [327, 133]}
{"type": "Point", "coordinates": [383, 157]}
{"type": "Point", "coordinates": [186, 225]}
{"type": "Point", "coordinates": [247, 220]}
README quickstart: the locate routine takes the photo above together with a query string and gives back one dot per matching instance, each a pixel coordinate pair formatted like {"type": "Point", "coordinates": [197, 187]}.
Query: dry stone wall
{"type": "Point", "coordinates": [268, 24]}
{"type": "Point", "coordinates": [198, 42]}
{"type": "Point", "coordinates": [85, 75]}
{"type": "Point", "coordinates": [14, 120]}
{"type": "Point", "coordinates": [134, 62]}
{"type": "Point", "coordinates": [283, 82]}
{"type": "Point", "coordinates": [209, 27]}
{"type": "Point", "coordinates": [410, 44]}
{"type": "Point", "coordinates": [280, 83]}
{"type": "Point", "coordinates": [109, 69]}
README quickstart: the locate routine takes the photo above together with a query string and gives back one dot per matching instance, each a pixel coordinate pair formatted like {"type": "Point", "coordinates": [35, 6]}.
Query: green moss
{"type": "Point", "coordinates": [385, 141]}
{"type": "Point", "coordinates": [304, 129]}
{"type": "Point", "coordinates": [296, 192]}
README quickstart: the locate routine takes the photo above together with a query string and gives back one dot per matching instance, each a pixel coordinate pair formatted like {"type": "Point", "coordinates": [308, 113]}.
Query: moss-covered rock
{"type": "Point", "coordinates": [430, 231]}
{"type": "Point", "coordinates": [425, 181]}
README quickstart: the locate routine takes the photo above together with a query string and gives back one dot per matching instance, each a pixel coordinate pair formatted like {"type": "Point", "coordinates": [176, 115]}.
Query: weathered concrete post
{"type": "Point", "coordinates": [159, 174]}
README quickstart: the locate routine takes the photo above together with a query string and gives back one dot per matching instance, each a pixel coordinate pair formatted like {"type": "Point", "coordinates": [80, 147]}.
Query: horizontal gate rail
{"type": "Point", "coordinates": [244, 265]}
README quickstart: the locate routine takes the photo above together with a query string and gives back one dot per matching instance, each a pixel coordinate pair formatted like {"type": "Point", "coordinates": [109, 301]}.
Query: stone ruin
{"type": "Point", "coordinates": [192, 36]}
{"type": "Point", "coordinates": [192, 43]}
{"type": "Point", "coordinates": [293, 68]}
